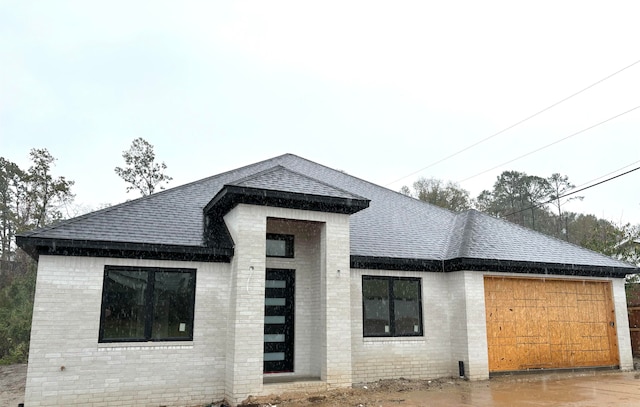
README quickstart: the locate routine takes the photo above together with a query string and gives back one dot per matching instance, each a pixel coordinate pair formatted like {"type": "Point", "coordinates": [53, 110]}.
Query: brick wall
{"type": "Point", "coordinates": [67, 365]}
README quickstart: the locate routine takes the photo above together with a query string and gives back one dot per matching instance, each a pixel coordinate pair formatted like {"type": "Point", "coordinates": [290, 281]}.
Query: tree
{"type": "Point", "coordinates": [46, 195]}
{"type": "Point", "coordinates": [517, 197]}
{"type": "Point", "coordinates": [141, 170]}
{"type": "Point", "coordinates": [560, 185]}
{"type": "Point", "coordinates": [28, 199]}
{"type": "Point", "coordinates": [434, 191]}
{"type": "Point", "coordinates": [11, 177]}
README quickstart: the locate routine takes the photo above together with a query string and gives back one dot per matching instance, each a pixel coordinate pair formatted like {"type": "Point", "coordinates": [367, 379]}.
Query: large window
{"type": "Point", "coordinates": [147, 304]}
{"type": "Point", "coordinates": [392, 306]}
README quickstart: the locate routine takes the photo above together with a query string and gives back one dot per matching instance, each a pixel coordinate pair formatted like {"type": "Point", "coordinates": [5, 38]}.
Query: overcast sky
{"type": "Point", "coordinates": [379, 90]}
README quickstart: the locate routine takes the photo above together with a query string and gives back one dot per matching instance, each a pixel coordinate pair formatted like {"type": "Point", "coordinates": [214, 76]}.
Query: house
{"type": "Point", "coordinates": [289, 275]}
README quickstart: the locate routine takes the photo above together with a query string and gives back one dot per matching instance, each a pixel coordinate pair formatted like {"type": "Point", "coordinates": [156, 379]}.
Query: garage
{"type": "Point", "coordinates": [535, 323]}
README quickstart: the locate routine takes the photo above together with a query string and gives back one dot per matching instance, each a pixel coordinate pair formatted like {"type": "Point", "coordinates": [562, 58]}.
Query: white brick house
{"type": "Point", "coordinates": [286, 275]}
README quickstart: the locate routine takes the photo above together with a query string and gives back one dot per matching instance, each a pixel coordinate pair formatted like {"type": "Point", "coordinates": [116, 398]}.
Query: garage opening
{"type": "Point", "coordinates": [535, 323]}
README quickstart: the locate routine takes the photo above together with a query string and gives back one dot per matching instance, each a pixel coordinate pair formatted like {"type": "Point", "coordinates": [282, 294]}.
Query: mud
{"type": "Point", "coordinates": [601, 389]}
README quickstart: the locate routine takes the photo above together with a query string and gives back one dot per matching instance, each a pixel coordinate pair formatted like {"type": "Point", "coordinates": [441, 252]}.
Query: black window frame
{"type": "Point", "coordinates": [149, 304]}
{"type": "Point", "coordinates": [288, 245]}
{"type": "Point", "coordinates": [392, 322]}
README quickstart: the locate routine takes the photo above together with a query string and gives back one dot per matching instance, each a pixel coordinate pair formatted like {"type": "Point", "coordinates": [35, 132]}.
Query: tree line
{"type": "Point", "coordinates": [537, 203]}
{"type": "Point", "coordinates": [32, 198]}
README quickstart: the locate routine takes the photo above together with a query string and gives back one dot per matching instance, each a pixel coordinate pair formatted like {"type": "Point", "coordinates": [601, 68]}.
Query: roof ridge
{"type": "Point", "coordinates": [467, 232]}
{"type": "Point", "coordinates": [282, 167]}
{"type": "Point", "coordinates": [378, 186]}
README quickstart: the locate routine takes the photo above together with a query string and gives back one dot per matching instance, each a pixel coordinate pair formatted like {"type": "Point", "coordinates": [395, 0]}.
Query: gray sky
{"type": "Point", "coordinates": [376, 89]}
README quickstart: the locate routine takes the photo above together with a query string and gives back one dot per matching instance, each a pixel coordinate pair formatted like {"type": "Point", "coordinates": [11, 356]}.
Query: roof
{"type": "Point", "coordinates": [388, 230]}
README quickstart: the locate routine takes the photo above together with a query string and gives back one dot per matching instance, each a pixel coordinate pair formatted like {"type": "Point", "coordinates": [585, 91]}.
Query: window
{"type": "Point", "coordinates": [147, 304]}
{"type": "Point", "coordinates": [279, 245]}
{"type": "Point", "coordinates": [391, 306]}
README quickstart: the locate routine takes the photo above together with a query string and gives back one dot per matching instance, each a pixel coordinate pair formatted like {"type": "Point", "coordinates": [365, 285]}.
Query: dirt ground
{"type": "Point", "coordinates": [12, 381]}
{"type": "Point", "coordinates": [582, 389]}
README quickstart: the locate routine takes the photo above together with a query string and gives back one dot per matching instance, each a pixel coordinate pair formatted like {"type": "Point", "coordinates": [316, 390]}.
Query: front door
{"type": "Point", "coordinates": [278, 320]}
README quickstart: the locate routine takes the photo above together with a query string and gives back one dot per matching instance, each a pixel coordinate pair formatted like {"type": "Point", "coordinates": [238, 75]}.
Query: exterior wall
{"type": "Point", "coordinates": [468, 324]}
{"type": "Point", "coordinates": [67, 365]}
{"type": "Point", "coordinates": [427, 356]}
{"type": "Point", "coordinates": [454, 321]}
{"type": "Point", "coordinates": [622, 324]}
{"type": "Point", "coordinates": [331, 353]}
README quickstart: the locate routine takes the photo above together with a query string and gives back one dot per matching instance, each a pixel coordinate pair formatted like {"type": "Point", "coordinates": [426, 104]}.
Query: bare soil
{"type": "Point", "coordinates": [12, 381]}
{"type": "Point", "coordinates": [383, 392]}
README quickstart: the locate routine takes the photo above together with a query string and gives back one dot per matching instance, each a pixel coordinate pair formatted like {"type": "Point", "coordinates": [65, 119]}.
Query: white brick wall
{"type": "Point", "coordinates": [428, 356]}
{"type": "Point", "coordinates": [454, 329]}
{"type": "Point", "coordinates": [65, 333]}
{"type": "Point", "coordinates": [225, 357]}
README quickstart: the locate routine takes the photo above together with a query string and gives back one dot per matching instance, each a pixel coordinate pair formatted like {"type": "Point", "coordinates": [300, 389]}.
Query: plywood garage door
{"type": "Point", "coordinates": [547, 323]}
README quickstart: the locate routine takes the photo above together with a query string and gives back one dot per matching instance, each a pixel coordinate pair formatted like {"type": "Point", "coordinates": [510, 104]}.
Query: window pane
{"type": "Point", "coordinates": [172, 305]}
{"type": "Point", "coordinates": [375, 297]}
{"type": "Point", "coordinates": [406, 307]}
{"type": "Point", "coordinates": [124, 304]}
{"type": "Point", "coordinates": [279, 245]}
{"type": "Point", "coordinates": [276, 248]}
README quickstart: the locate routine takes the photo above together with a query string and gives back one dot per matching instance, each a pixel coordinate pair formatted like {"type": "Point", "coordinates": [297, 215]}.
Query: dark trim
{"type": "Point", "coordinates": [394, 263]}
{"type": "Point", "coordinates": [232, 195]}
{"type": "Point", "coordinates": [149, 304]}
{"type": "Point", "coordinates": [495, 265]}
{"type": "Point", "coordinates": [94, 248]}
{"type": "Point", "coordinates": [527, 267]}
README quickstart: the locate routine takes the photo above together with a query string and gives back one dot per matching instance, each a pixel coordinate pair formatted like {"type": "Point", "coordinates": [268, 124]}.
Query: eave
{"type": "Point", "coordinates": [100, 248]}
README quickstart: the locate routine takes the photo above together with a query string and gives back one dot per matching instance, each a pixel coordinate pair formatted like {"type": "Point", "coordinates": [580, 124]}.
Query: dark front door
{"type": "Point", "coordinates": [279, 292]}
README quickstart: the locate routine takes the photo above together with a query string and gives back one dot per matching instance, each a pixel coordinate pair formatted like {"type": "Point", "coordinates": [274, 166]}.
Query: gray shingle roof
{"type": "Point", "coordinates": [280, 178]}
{"type": "Point", "coordinates": [393, 226]}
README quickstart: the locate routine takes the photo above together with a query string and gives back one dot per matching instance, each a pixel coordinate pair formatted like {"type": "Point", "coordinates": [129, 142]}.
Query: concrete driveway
{"type": "Point", "coordinates": [599, 389]}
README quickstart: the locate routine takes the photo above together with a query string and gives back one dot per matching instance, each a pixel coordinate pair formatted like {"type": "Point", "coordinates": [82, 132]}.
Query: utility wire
{"type": "Point", "coordinates": [550, 144]}
{"type": "Point", "coordinates": [572, 192]}
{"type": "Point", "coordinates": [605, 175]}
{"type": "Point", "coordinates": [515, 124]}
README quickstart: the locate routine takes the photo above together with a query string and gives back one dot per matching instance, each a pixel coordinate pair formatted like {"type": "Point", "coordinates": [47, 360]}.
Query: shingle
{"type": "Point", "coordinates": [393, 225]}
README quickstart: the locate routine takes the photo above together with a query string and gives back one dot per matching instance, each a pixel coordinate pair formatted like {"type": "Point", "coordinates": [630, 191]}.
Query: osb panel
{"type": "Point", "coordinates": [549, 323]}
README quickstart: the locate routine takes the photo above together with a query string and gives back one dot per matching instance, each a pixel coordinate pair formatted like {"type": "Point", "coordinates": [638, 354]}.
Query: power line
{"type": "Point", "coordinates": [607, 174]}
{"type": "Point", "coordinates": [516, 124]}
{"type": "Point", "coordinates": [550, 144]}
{"type": "Point", "coordinates": [572, 192]}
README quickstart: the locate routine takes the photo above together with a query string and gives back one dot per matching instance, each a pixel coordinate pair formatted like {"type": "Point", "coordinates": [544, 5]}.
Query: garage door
{"type": "Point", "coordinates": [547, 323]}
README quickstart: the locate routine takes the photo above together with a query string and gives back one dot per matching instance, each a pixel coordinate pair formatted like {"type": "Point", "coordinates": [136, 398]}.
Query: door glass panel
{"type": "Point", "coordinates": [274, 319]}
{"type": "Point", "coordinates": [275, 301]}
{"type": "Point", "coordinates": [274, 337]}
{"type": "Point", "coordinates": [275, 284]}
{"type": "Point", "coordinates": [273, 356]}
